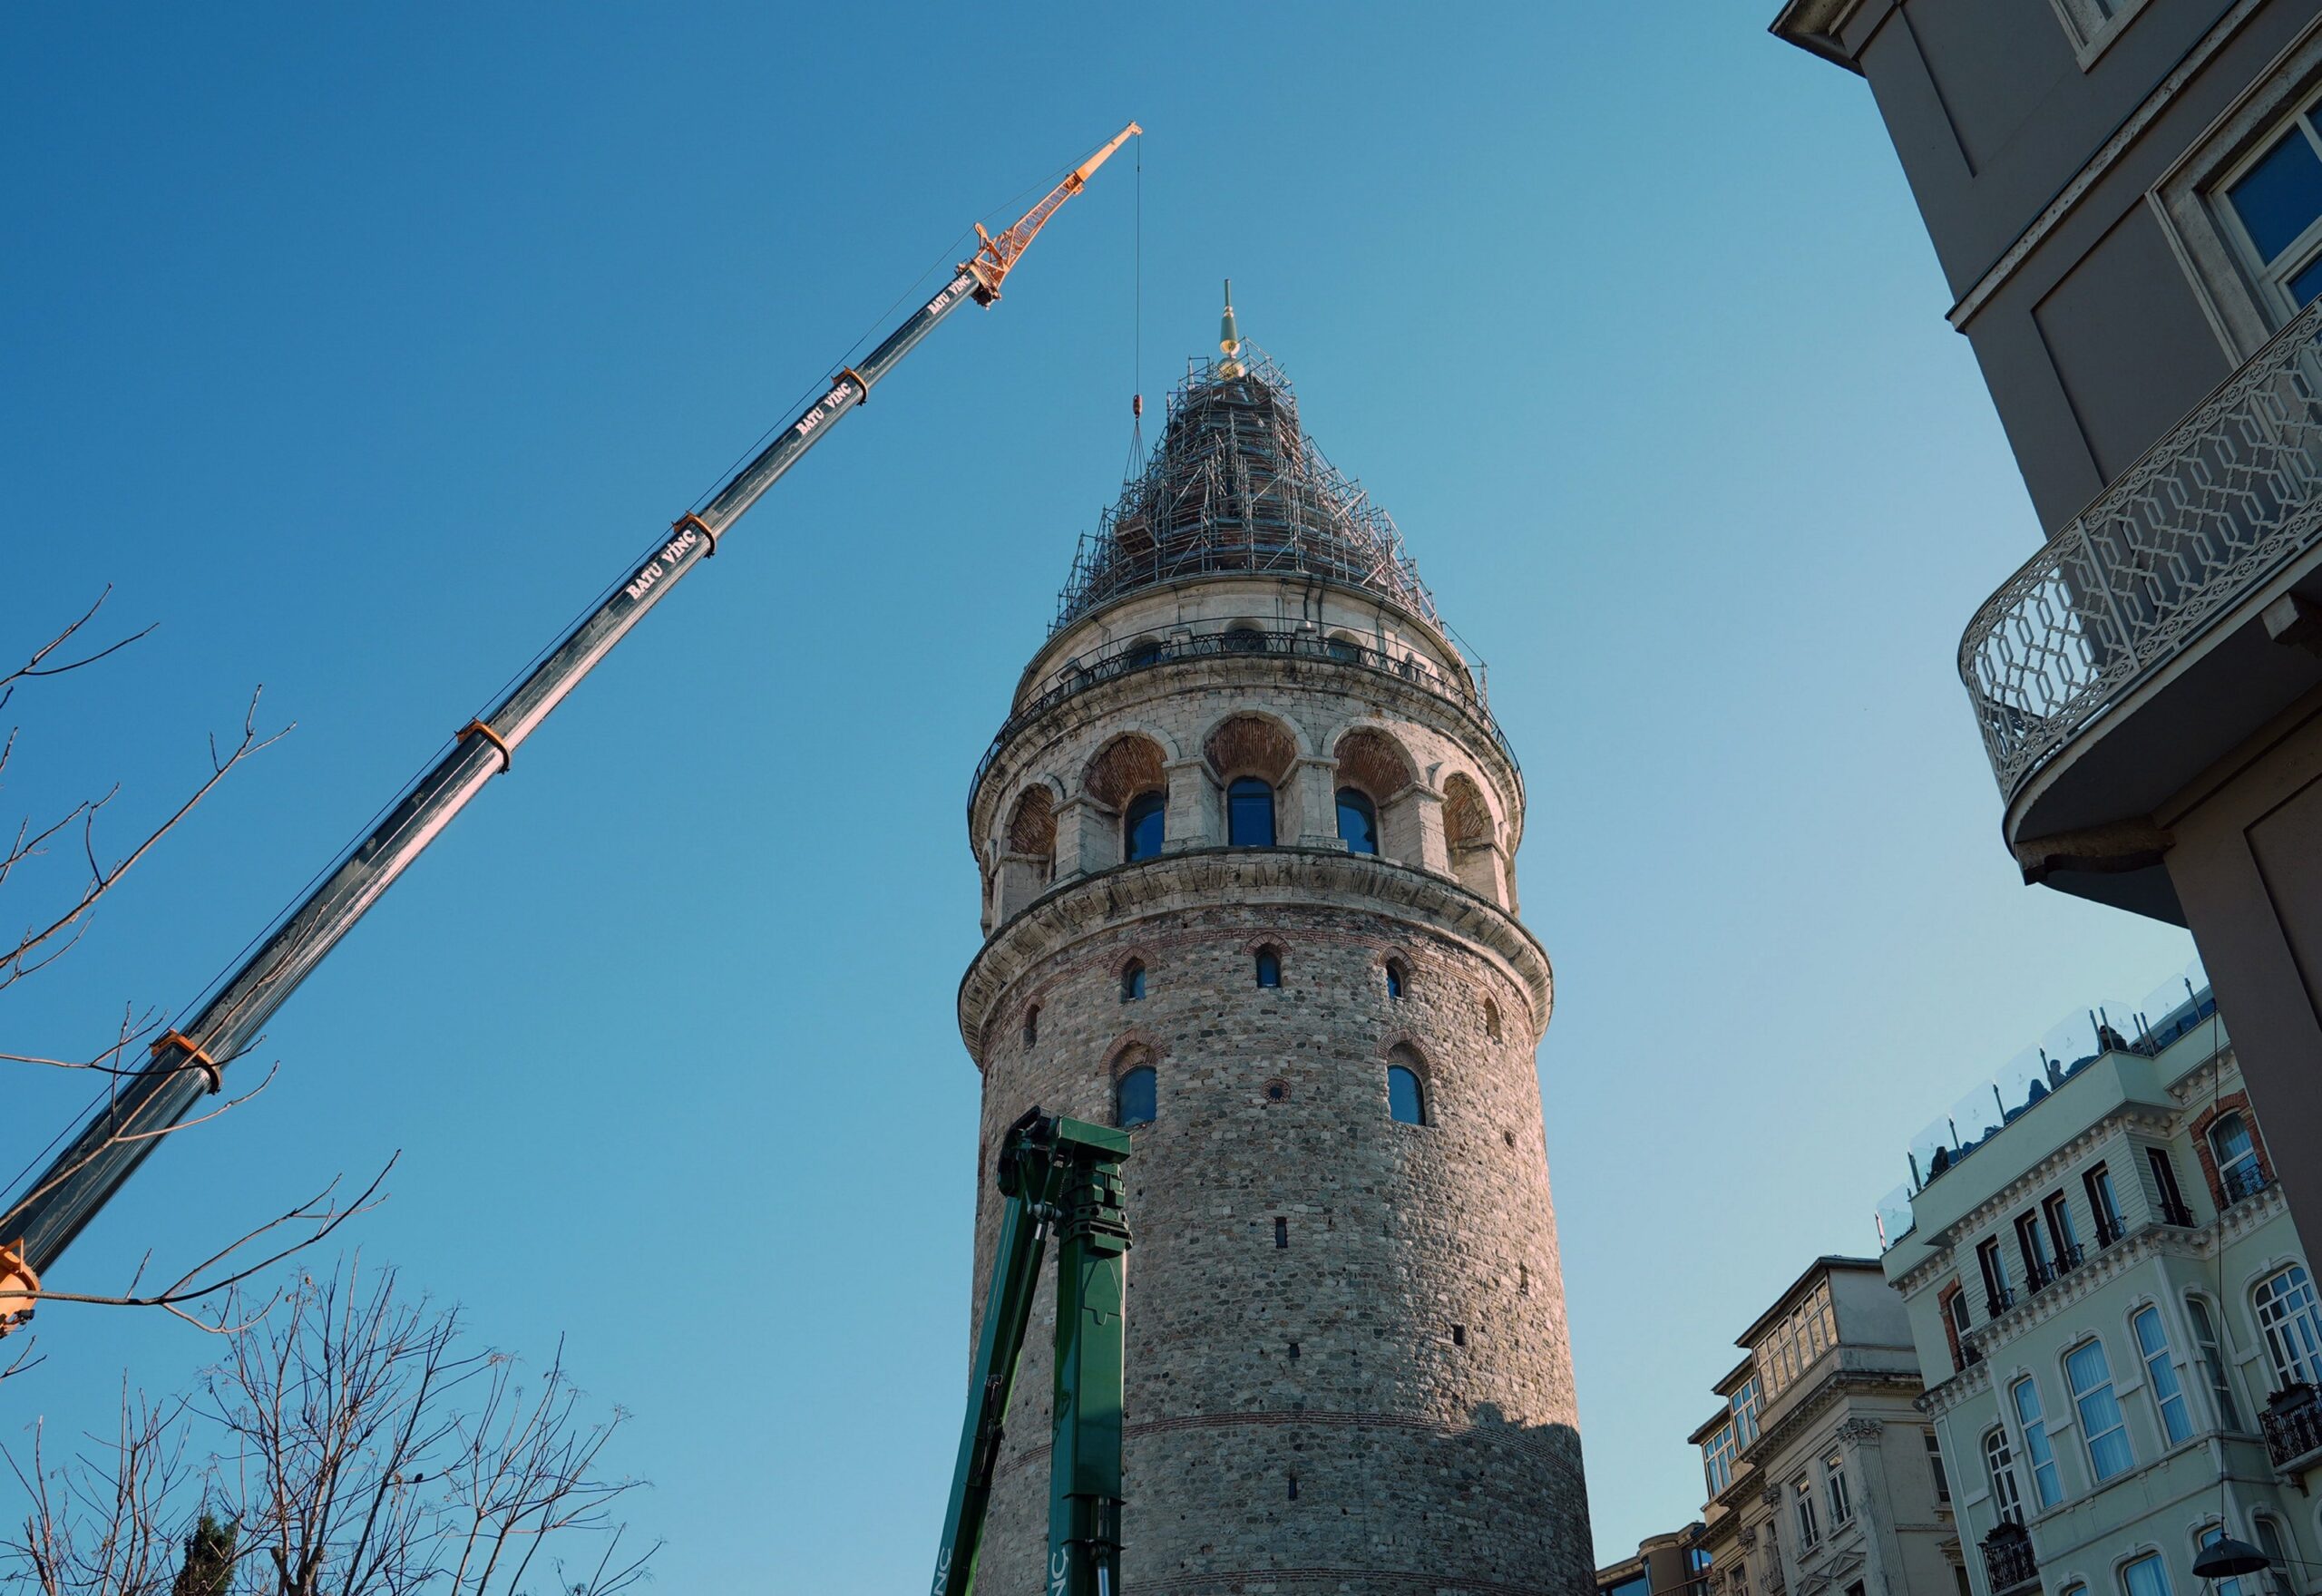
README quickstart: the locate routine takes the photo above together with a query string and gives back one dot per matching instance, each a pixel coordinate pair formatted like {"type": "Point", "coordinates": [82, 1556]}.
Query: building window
{"type": "Point", "coordinates": [1955, 1307]}
{"type": "Point", "coordinates": [1491, 1020]}
{"type": "Point", "coordinates": [2230, 1585]}
{"type": "Point", "coordinates": [1269, 968]}
{"type": "Point", "coordinates": [2164, 1180]}
{"type": "Point", "coordinates": [1810, 1533]}
{"type": "Point", "coordinates": [2102, 1426]}
{"type": "Point", "coordinates": [2167, 1394]}
{"type": "Point", "coordinates": [1342, 649]}
{"type": "Point", "coordinates": [2145, 1576]}
{"type": "Point", "coordinates": [2236, 1152]}
{"type": "Point", "coordinates": [1999, 1467]}
{"type": "Point", "coordinates": [1805, 1333]}
{"type": "Point", "coordinates": [1144, 825]}
{"type": "Point", "coordinates": [1145, 651]}
{"type": "Point", "coordinates": [1744, 1406]}
{"type": "Point", "coordinates": [2292, 1327]}
{"type": "Point", "coordinates": [1031, 1024]}
{"type": "Point", "coordinates": [1998, 1298]}
{"type": "Point", "coordinates": [2098, 1184]}
{"type": "Point", "coordinates": [1406, 1095]}
{"type": "Point", "coordinates": [2031, 1245]}
{"type": "Point", "coordinates": [2062, 1236]}
{"type": "Point", "coordinates": [2275, 202]}
{"type": "Point", "coordinates": [1245, 640]}
{"type": "Point", "coordinates": [2046, 1489]}
{"type": "Point", "coordinates": [2269, 1541]}
{"type": "Point", "coordinates": [1249, 812]}
{"type": "Point", "coordinates": [1395, 978]}
{"type": "Point", "coordinates": [1358, 822]}
{"type": "Point", "coordinates": [2205, 1341]}
{"type": "Point", "coordinates": [1281, 1233]}
{"type": "Point", "coordinates": [1717, 1459]}
{"type": "Point", "coordinates": [1834, 1489]}
{"type": "Point", "coordinates": [2093, 23]}
{"type": "Point", "coordinates": [1935, 1466]}
{"type": "Point", "coordinates": [1133, 981]}
{"type": "Point", "coordinates": [1136, 1098]}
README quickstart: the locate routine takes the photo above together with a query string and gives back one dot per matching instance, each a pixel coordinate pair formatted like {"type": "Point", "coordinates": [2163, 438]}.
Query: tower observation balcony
{"type": "Point", "coordinates": [1237, 488]}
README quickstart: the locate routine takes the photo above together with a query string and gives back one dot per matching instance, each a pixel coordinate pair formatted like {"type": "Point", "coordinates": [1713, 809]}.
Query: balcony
{"type": "Point", "coordinates": [2238, 1181]}
{"type": "Point", "coordinates": [2147, 602]}
{"type": "Point", "coordinates": [1080, 674]}
{"type": "Point", "coordinates": [2067, 1259]}
{"type": "Point", "coordinates": [1998, 1299]}
{"type": "Point", "coordinates": [2292, 1426]}
{"type": "Point", "coordinates": [2008, 1562]}
{"type": "Point", "coordinates": [2108, 1230]}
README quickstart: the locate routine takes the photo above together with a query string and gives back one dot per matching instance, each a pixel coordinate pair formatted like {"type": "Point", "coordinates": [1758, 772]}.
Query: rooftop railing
{"type": "Point", "coordinates": [2168, 1013]}
{"type": "Point", "coordinates": [2212, 511]}
{"type": "Point", "coordinates": [1236, 641]}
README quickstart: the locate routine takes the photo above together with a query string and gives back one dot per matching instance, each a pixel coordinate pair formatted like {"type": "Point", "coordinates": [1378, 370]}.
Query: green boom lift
{"type": "Point", "coordinates": [1061, 1175]}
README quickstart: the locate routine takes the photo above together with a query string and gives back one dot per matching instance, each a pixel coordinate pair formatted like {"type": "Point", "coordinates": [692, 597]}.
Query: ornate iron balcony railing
{"type": "Point", "coordinates": [2241, 1180]}
{"type": "Point", "coordinates": [2293, 1431]}
{"type": "Point", "coordinates": [2212, 511]}
{"type": "Point", "coordinates": [1146, 653]}
{"type": "Point", "coordinates": [2008, 1562]}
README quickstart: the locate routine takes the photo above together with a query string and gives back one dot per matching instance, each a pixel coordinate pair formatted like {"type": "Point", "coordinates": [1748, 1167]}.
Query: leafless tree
{"type": "Point", "coordinates": [354, 1445]}
{"type": "Point", "coordinates": [65, 904]}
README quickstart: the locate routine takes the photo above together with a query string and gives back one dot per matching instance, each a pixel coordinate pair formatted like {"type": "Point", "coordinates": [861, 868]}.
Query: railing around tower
{"type": "Point", "coordinates": [1236, 641]}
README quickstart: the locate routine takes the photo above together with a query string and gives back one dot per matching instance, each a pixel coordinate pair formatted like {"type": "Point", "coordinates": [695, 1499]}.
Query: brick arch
{"type": "Point", "coordinates": [1467, 821]}
{"type": "Point", "coordinates": [1376, 763]}
{"type": "Point", "coordinates": [1247, 742]}
{"type": "Point", "coordinates": [2227, 1102]}
{"type": "Point", "coordinates": [1131, 763]}
{"type": "Point", "coordinates": [1031, 824]}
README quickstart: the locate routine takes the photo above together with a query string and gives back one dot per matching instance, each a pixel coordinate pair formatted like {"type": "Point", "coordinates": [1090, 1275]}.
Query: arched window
{"type": "Point", "coordinates": [1269, 968]}
{"type": "Point", "coordinates": [1491, 1020]}
{"type": "Point", "coordinates": [2212, 1351]}
{"type": "Point", "coordinates": [2160, 1375]}
{"type": "Point", "coordinates": [1358, 822]}
{"type": "Point", "coordinates": [1249, 812]}
{"type": "Point", "coordinates": [1031, 1024]}
{"type": "Point", "coordinates": [2047, 1489]}
{"type": "Point", "coordinates": [1999, 1466]}
{"type": "Point", "coordinates": [1406, 1093]}
{"type": "Point", "coordinates": [2236, 1152]}
{"type": "Point", "coordinates": [1341, 647]}
{"type": "Point", "coordinates": [1245, 640]}
{"type": "Point", "coordinates": [1395, 978]}
{"type": "Point", "coordinates": [1133, 981]}
{"type": "Point", "coordinates": [1145, 651]}
{"type": "Point", "coordinates": [1143, 826]}
{"type": "Point", "coordinates": [2292, 1326]}
{"type": "Point", "coordinates": [1135, 1098]}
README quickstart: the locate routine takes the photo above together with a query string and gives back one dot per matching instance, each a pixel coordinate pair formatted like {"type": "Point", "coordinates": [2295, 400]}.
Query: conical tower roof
{"type": "Point", "coordinates": [1235, 487]}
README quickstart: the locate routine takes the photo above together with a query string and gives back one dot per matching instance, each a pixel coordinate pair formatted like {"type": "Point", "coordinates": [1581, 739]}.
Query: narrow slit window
{"type": "Point", "coordinates": [1031, 1024]}
{"type": "Point", "coordinates": [1133, 981]}
{"type": "Point", "coordinates": [1281, 1233]}
{"type": "Point", "coordinates": [1269, 968]}
{"type": "Point", "coordinates": [1395, 979]}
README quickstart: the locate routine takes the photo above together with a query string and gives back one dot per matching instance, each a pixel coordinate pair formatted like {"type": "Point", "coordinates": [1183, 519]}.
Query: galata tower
{"type": "Point", "coordinates": [1247, 841]}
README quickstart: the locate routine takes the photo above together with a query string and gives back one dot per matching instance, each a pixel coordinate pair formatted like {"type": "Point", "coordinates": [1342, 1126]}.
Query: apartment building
{"type": "Point", "coordinates": [1819, 1470]}
{"type": "Point", "coordinates": [1668, 1564]}
{"type": "Point", "coordinates": [2125, 196]}
{"type": "Point", "coordinates": [2117, 1325]}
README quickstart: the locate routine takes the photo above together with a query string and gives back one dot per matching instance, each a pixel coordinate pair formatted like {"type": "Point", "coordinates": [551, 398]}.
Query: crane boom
{"type": "Point", "coordinates": [190, 1060]}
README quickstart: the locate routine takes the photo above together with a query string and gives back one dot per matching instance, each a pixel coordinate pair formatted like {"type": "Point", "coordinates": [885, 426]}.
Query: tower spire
{"type": "Point", "coordinates": [1229, 338]}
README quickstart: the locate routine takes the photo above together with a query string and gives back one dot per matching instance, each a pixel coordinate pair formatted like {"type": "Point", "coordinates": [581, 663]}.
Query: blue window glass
{"type": "Point", "coordinates": [2145, 1576]}
{"type": "Point", "coordinates": [1134, 1097]}
{"type": "Point", "coordinates": [1249, 812]}
{"type": "Point", "coordinates": [1269, 968]}
{"type": "Point", "coordinates": [1133, 981]}
{"type": "Point", "coordinates": [1406, 1099]}
{"type": "Point", "coordinates": [2101, 1426]}
{"type": "Point", "coordinates": [2161, 1374]}
{"type": "Point", "coordinates": [2046, 1487]}
{"type": "Point", "coordinates": [1358, 822]}
{"type": "Point", "coordinates": [2279, 197]}
{"type": "Point", "coordinates": [1143, 826]}
{"type": "Point", "coordinates": [1394, 980]}
{"type": "Point", "coordinates": [2306, 283]}
{"type": "Point", "coordinates": [1145, 651]}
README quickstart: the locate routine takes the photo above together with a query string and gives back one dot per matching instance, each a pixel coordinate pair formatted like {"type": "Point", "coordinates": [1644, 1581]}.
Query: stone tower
{"type": "Point", "coordinates": [1247, 840]}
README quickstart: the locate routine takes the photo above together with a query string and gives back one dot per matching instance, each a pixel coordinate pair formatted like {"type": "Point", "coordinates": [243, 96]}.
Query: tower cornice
{"type": "Point", "coordinates": [1289, 877]}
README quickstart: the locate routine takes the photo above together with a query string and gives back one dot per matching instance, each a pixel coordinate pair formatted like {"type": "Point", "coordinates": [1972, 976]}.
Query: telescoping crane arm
{"type": "Point", "coordinates": [42, 1220]}
{"type": "Point", "coordinates": [1062, 1176]}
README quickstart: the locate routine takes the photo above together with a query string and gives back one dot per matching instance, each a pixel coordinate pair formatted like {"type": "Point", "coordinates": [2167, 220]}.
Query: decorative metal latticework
{"type": "Point", "coordinates": [2215, 509]}
{"type": "Point", "coordinates": [1237, 486]}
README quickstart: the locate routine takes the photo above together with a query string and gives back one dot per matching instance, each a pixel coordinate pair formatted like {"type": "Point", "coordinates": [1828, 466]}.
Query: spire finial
{"type": "Point", "coordinates": [1229, 338]}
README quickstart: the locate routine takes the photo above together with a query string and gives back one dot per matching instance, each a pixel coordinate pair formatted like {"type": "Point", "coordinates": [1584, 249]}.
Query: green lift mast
{"type": "Point", "coordinates": [1059, 1175]}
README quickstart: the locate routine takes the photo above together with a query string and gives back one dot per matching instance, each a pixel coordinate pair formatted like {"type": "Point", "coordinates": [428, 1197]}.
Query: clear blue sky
{"type": "Point", "coordinates": [360, 345]}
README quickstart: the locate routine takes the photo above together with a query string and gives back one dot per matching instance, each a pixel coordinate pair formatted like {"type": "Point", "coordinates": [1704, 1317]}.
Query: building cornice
{"type": "Point", "coordinates": [1289, 877]}
{"type": "Point", "coordinates": [1813, 25]}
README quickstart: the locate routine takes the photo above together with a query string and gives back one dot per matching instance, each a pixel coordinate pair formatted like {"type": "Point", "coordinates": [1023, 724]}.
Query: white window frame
{"type": "Point", "coordinates": [2039, 1450]}
{"type": "Point", "coordinates": [1999, 1473]}
{"type": "Point", "coordinates": [1744, 1407]}
{"type": "Point", "coordinates": [2190, 204]}
{"type": "Point", "coordinates": [1834, 1489]}
{"type": "Point", "coordinates": [1810, 1533]}
{"type": "Point", "coordinates": [1942, 1470]}
{"type": "Point", "coordinates": [2293, 1337]}
{"type": "Point", "coordinates": [2161, 1377]}
{"type": "Point", "coordinates": [1717, 1457]}
{"type": "Point", "coordinates": [2092, 32]}
{"type": "Point", "coordinates": [2217, 1366]}
{"type": "Point", "coordinates": [2248, 1155]}
{"type": "Point", "coordinates": [2146, 1554]}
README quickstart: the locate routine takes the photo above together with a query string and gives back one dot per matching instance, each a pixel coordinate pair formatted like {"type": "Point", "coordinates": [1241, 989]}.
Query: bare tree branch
{"type": "Point", "coordinates": [38, 666]}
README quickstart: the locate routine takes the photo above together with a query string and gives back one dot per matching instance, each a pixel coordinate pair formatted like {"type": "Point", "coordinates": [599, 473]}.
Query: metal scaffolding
{"type": "Point", "coordinates": [1237, 486]}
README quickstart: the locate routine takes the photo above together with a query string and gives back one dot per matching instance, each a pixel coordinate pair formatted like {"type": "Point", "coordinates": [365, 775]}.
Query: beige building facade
{"type": "Point", "coordinates": [2115, 1319]}
{"type": "Point", "coordinates": [1247, 841]}
{"type": "Point", "coordinates": [1820, 1478]}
